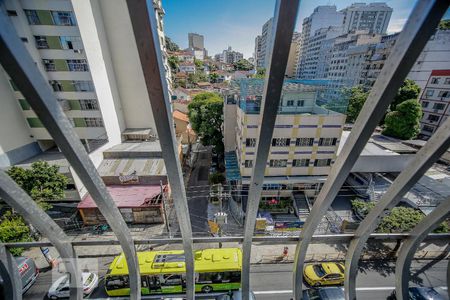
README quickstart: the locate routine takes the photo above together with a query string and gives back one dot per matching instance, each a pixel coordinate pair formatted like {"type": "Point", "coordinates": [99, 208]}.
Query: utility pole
{"type": "Point", "coordinates": [166, 217]}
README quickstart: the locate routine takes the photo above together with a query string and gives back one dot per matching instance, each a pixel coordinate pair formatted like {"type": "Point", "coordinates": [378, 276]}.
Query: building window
{"type": "Point", "coordinates": [34, 122]}
{"type": "Point", "coordinates": [89, 104]}
{"type": "Point", "coordinates": [430, 93]}
{"type": "Point", "coordinates": [71, 42]}
{"type": "Point", "coordinates": [425, 104]}
{"type": "Point", "coordinates": [250, 142]}
{"type": "Point", "coordinates": [304, 142]}
{"type": "Point", "coordinates": [281, 142]}
{"type": "Point", "coordinates": [447, 80]}
{"type": "Point", "coordinates": [32, 16]}
{"type": "Point", "coordinates": [428, 128]}
{"type": "Point", "coordinates": [93, 122]}
{"type": "Point", "coordinates": [13, 85]}
{"type": "Point", "coordinates": [248, 163]}
{"type": "Point", "coordinates": [434, 80]}
{"type": "Point", "coordinates": [49, 65]}
{"type": "Point", "coordinates": [290, 103]}
{"type": "Point", "coordinates": [300, 102]}
{"type": "Point", "coordinates": [56, 85]}
{"type": "Point", "coordinates": [433, 118]}
{"type": "Point", "coordinates": [77, 65]}
{"type": "Point", "coordinates": [327, 141]}
{"type": "Point", "coordinates": [24, 104]}
{"type": "Point", "coordinates": [444, 94]}
{"type": "Point", "coordinates": [63, 18]}
{"type": "Point", "coordinates": [11, 13]}
{"type": "Point", "coordinates": [303, 162]}
{"type": "Point", "coordinates": [41, 42]}
{"type": "Point", "coordinates": [322, 162]}
{"type": "Point", "coordinates": [278, 163]}
{"type": "Point", "coordinates": [83, 86]}
{"type": "Point", "coordinates": [439, 106]}
{"type": "Point", "coordinates": [24, 39]}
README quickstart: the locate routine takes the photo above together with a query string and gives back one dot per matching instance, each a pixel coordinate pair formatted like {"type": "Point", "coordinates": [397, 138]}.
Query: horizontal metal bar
{"type": "Point", "coordinates": [270, 240]}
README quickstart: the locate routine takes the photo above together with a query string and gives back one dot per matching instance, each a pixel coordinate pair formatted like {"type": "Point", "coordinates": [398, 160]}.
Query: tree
{"type": "Point", "coordinates": [260, 73]}
{"type": "Point", "coordinates": [243, 65]}
{"type": "Point", "coordinates": [356, 97]}
{"type": "Point", "coordinates": [213, 77]}
{"type": "Point", "coordinates": [42, 182]}
{"type": "Point", "coordinates": [444, 24]}
{"type": "Point", "coordinates": [199, 64]}
{"type": "Point", "coordinates": [173, 63]}
{"type": "Point", "coordinates": [206, 118]}
{"type": "Point", "coordinates": [400, 219]}
{"type": "Point", "coordinates": [216, 178]}
{"type": "Point", "coordinates": [14, 229]}
{"type": "Point", "coordinates": [408, 90]}
{"type": "Point", "coordinates": [197, 77]}
{"type": "Point", "coordinates": [170, 45]}
{"type": "Point", "coordinates": [403, 123]}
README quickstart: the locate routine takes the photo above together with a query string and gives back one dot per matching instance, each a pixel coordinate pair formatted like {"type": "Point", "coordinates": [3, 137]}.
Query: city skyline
{"type": "Point", "coordinates": [231, 27]}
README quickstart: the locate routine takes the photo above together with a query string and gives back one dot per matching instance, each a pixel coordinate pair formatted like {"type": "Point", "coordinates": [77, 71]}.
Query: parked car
{"type": "Point", "coordinates": [28, 273]}
{"type": "Point", "coordinates": [420, 293]}
{"type": "Point", "coordinates": [324, 274]}
{"type": "Point", "coordinates": [325, 293]}
{"type": "Point", "coordinates": [60, 288]}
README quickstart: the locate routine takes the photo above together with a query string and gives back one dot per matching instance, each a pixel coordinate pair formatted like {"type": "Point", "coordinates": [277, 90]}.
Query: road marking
{"type": "Point", "coordinates": [272, 292]}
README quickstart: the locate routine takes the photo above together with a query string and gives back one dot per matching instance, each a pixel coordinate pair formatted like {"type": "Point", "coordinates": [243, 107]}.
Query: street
{"type": "Point", "coordinates": [274, 281]}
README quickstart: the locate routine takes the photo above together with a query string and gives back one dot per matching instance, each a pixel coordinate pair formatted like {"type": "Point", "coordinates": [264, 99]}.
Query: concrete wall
{"type": "Point", "coordinates": [229, 128]}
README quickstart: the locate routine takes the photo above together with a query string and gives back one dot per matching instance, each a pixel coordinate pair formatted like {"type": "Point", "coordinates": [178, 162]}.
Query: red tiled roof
{"type": "Point", "coordinates": [180, 116]}
{"type": "Point", "coordinates": [440, 72]}
{"type": "Point", "coordinates": [126, 196]}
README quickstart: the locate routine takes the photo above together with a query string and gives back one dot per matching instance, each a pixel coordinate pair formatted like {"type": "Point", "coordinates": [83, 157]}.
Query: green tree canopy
{"type": "Point", "coordinates": [408, 90]}
{"type": "Point", "coordinates": [403, 123]}
{"type": "Point", "coordinates": [213, 77]}
{"type": "Point", "coordinates": [243, 65]}
{"type": "Point", "coordinates": [173, 63]}
{"type": "Point", "coordinates": [42, 182]}
{"type": "Point", "coordinates": [355, 97]}
{"type": "Point", "coordinates": [14, 229]}
{"type": "Point", "coordinates": [170, 45]}
{"type": "Point", "coordinates": [199, 64]}
{"type": "Point", "coordinates": [400, 219]}
{"type": "Point", "coordinates": [444, 24]}
{"type": "Point", "coordinates": [206, 118]}
{"type": "Point", "coordinates": [197, 77]}
{"type": "Point", "coordinates": [260, 73]}
{"type": "Point", "coordinates": [216, 178]}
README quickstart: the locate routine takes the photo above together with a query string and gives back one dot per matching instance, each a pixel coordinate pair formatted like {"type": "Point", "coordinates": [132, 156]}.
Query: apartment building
{"type": "Point", "coordinates": [373, 17]}
{"type": "Point", "coordinates": [294, 54]}
{"type": "Point", "coordinates": [262, 44]}
{"type": "Point", "coordinates": [196, 41]}
{"type": "Point", "coordinates": [229, 56]}
{"type": "Point", "coordinates": [337, 74]}
{"type": "Point", "coordinates": [435, 102]}
{"type": "Point", "coordinates": [305, 139]}
{"type": "Point", "coordinates": [87, 53]}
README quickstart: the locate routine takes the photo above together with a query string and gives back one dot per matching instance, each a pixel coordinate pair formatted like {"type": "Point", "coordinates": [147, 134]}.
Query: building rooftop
{"type": "Point", "coordinates": [54, 158]}
{"type": "Point", "coordinates": [142, 167]}
{"type": "Point", "coordinates": [128, 196]}
{"type": "Point", "coordinates": [180, 116]}
{"type": "Point", "coordinates": [147, 149]}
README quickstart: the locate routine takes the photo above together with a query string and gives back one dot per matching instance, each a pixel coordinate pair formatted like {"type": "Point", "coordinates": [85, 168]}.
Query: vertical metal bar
{"type": "Point", "coordinates": [12, 194]}
{"type": "Point", "coordinates": [145, 30]}
{"type": "Point", "coordinates": [410, 245]}
{"type": "Point", "coordinates": [12, 283]}
{"type": "Point", "coordinates": [420, 26]}
{"type": "Point", "coordinates": [18, 63]}
{"type": "Point", "coordinates": [285, 16]}
{"type": "Point", "coordinates": [423, 160]}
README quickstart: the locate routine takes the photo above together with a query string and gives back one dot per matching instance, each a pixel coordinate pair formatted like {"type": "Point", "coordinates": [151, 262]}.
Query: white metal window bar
{"type": "Point", "coordinates": [420, 26]}
{"type": "Point", "coordinates": [18, 63]}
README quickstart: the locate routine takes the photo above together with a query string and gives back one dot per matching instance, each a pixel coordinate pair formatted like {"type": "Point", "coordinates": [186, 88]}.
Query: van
{"type": "Point", "coordinates": [28, 273]}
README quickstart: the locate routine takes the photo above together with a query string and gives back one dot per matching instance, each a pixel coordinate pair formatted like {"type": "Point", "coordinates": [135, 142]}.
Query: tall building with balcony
{"type": "Point", "coordinates": [305, 139]}
{"type": "Point", "coordinates": [435, 102]}
{"type": "Point", "coordinates": [262, 44]}
{"type": "Point", "coordinates": [87, 53]}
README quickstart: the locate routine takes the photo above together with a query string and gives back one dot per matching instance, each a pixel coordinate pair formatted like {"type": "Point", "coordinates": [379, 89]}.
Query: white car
{"type": "Point", "coordinates": [60, 288]}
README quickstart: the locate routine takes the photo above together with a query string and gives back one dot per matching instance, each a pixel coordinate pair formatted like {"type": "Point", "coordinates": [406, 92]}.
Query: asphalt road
{"type": "Point", "coordinates": [198, 191]}
{"type": "Point", "coordinates": [274, 281]}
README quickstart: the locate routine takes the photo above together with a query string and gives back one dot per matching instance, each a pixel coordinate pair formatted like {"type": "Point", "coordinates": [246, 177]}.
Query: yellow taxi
{"type": "Point", "coordinates": [329, 273]}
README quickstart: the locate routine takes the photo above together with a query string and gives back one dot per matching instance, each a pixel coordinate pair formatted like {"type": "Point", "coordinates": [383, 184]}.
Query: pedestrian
{"type": "Point", "coordinates": [285, 252]}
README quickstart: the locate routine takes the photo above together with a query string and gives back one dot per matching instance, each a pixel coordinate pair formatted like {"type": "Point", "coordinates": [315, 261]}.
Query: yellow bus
{"type": "Point", "coordinates": [163, 272]}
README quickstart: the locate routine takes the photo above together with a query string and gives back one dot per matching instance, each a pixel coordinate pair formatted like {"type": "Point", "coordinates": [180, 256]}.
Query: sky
{"type": "Point", "coordinates": [236, 23]}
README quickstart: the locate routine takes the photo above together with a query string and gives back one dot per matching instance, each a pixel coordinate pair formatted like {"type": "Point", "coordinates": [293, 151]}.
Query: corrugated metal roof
{"type": "Point", "coordinates": [126, 196]}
